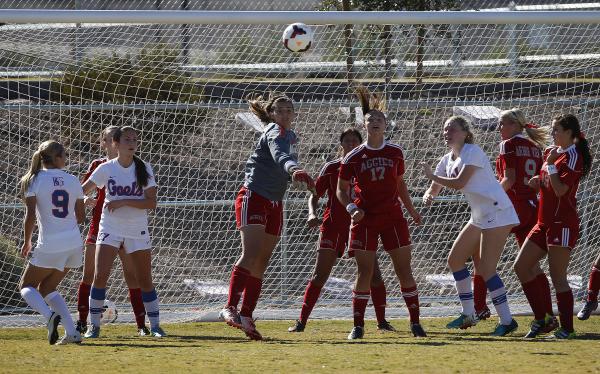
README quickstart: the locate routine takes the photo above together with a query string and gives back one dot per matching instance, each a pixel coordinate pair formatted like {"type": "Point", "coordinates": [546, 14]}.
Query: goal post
{"type": "Point", "coordinates": [182, 78]}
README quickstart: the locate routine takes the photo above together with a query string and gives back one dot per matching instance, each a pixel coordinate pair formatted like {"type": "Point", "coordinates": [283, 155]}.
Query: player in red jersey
{"type": "Point", "coordinates": [333, 240]}
{"type": "Point", "coordinates": [83, 293]}
{"type": "Point", "coordinates": [377, 167]}
{"type": "Point", "coordinates": [557, 228]}
{"type": "Point", "coordinates": [591, 302]}
{"type": "Point", "coordinates": [520, 158]}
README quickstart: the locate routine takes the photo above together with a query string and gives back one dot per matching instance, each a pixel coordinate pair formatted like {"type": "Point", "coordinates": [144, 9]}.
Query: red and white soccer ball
{"type": "Point", "coordinates": [109, 312]}
{"type": "Point", "coordinates": [297, 37]}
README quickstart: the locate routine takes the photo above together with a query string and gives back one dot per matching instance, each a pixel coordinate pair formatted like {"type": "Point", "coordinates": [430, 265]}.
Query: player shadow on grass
{"type": "Point", "coordinates": [391, 341]}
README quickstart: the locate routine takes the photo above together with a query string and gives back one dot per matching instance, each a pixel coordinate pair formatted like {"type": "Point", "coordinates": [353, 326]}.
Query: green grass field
{"type": "Point", "coordinates": [215, 347]}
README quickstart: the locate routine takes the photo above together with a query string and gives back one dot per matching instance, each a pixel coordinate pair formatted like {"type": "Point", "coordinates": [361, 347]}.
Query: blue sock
{"type": "Point", "coordinates": [498, 295]}
{"type": "Point", "coordinates": [462, 279]}
{"type": "Point", "coordinates": [97, 296]}
{"type": "Point", "coordinates": [151, 304]}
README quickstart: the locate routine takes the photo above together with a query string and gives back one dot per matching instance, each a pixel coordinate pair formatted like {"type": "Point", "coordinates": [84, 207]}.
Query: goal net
{"type": "Point", "coordinates": [184, 86]}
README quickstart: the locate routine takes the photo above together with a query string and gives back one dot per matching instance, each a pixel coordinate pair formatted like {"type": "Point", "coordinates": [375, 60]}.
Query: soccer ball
{"type": "Point", "coordinates": [297, 37]}
{"type": "Point", "coordinates": [109, 312]}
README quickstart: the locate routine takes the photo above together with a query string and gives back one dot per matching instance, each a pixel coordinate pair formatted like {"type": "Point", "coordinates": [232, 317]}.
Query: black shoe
{"type": "Point", "coordinates": [385, 326]}
{"type": "Point", "coordinates": [483, 314]}
{"type": "Point", "coordinates": [536, 328]}
{"type": "Point", "coordinates": [298, 327]}
{"type": "Point", "coordinates": [81, 327]}
{"type": "Point", "coordinates": [587, 310]}
{"type": "Point", "coordinates": [52, 326]}
{"type": "Point", "coordinates": [357, 333]}
{"type": "Point", "coordinates": [143, 331]}
{"type": "Point", "coordinates": [417, 330]}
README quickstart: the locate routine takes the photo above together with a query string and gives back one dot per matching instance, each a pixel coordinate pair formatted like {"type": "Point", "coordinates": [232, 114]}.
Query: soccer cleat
{"type": "Point", "coordinates": [157, 332]}
{"type": "Point", "coordinates": [231, 316]}
{"type": "Point", "coordinates": [298, 327]}
{"type": "Point", "coordinates": [70, 339]}
{"type": "Point", "coordinates": [143, 331]}
{"type": "Point", "coordinates": [249, 328]}
{"type": "Point", "coordinates": [81, 327]}
{"type": "Point", "coordinates": [357, 333]}
{"type": "Point", "coordinates": [483, 314]}
{"type": "Point", "coordinates": [587, 310]}
{"type": "Point", "coordinates": [93, 332]}
{"type": "Point", "coordinates": [462, 322]}
{"type": "Point", "coordinates": [562, 334]}
{"type": "Point", "coordinates": [551, 324]}
{"type": "Point", "coordinates": [417, 330]}
{"type": "Point", "coordinates": [503, 330]}
{"type": "Point", "coordinates": [385, 326]}
{"type": "Point", "coordinates": [536, 328]}
{"type": "Point", "coordinates": [52, 326]}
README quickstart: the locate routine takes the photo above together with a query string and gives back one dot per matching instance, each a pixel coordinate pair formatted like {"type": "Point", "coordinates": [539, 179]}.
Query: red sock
{"type": "Point", "coordinates": [565, 309]}
{"type": "Point", "coordinates": [411, 298]}
{"type": "Point", "coordinates": [311, 295]}
{"type": "Point", "coordinates": [251, 294]}
{"type": "Point", "coordinates": [359, 306]}
{"type": "Point", "coordinates": [137, 304]}
{"type": "Point", "coordinates": [83, 302]}
{"type": "Point", "coordinates": [545, 294]}
{"type": "Point", "coordinates": [532, 292]}
{"type": "Point", "coordinates": [594, 284]}
{"type": "Point", "coordinates": [378, 295]}
{"type": "Point", "coordinates": [479, 292]}
{"type": "Point", "coordinates": [237, 283]}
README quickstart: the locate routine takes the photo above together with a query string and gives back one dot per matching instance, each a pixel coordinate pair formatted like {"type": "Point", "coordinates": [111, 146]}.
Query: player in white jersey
{"type": "Point", "coordinates": [130, 191]}
{"type": "Point", "coordinates": [467, 168]}
{"type": "Point", "coordinates": [55, 198]}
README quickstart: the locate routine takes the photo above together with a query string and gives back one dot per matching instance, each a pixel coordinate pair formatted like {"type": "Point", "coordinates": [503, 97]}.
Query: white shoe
{"type": "Point", "coordinates": [249, 328]}
{"type": "Point", "coordinates": [231, 316]}
{"type": "Point", "coordinates": [70, 339]}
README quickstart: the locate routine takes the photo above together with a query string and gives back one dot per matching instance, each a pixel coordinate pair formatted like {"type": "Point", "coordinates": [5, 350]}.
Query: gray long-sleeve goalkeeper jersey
{"type": "Point", "coordinates": [268, 168]}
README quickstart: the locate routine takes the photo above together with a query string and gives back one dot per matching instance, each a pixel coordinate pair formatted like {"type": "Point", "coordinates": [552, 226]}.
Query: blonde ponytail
{"type": "Point", "coordinates": [44, 155]}
{"type": "Point", "coordinates": [539, 135]}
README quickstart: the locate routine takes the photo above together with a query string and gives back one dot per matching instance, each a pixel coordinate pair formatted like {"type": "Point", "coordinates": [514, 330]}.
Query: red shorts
{"type": "Point", "coordinates": [560, 235]}
{"type": "Point", "coordinates": [92, 232]}
{"type": "Point", "coordinates": [334, 239]}
{"type": "Point", "coordinates": [527, 213]}
{"type": "Point", "coordinates": [394, 234]}
{"type": "Point", "coordinates": [253, 209]}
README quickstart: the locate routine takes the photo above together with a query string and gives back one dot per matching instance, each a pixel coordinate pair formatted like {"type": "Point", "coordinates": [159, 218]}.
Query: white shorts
{"type": "Point", "coordinates": [498, 218]}
{"type": "Point", "coordinates": [57, 260]}
{"type": "Point", "coordinates": [129, 244]}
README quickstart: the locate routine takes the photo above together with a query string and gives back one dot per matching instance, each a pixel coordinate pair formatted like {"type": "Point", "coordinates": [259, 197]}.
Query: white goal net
{"type": "Point", "coordinates": [183, 86]}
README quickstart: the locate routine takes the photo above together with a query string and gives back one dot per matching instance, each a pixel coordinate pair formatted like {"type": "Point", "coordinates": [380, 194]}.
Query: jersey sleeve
{"type": "Point", "coordinates": [508, 155]}
{"type": "Point", "coordinates": [280, 148]}
{"type": "Point", "coordinates": [33, 188]}
{"type": "Point", "coordinates": [323, 179]}
{"type": "Point", "coordinates": [100, 176]}
{"type": "Point", "coordinates": [151, 177]}
{"type": "Point", "coordinates": [570, 175]}
{"type": "Point", "coordinates": [440, 169]}
{"type": "Point", "coordinates": [474, 156]}
{"type": "Point", "coordinates": [346, 170]}
{"type": "Point", "coordinates": [400, 170]}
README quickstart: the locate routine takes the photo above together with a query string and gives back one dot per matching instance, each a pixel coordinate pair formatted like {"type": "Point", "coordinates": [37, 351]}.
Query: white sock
{"type": "Point", "coordinates": [57, 303]}
{"type": "Point", "coordinates": [152, 310]}
{"type": "Point", "coordinates": [35, 300]}
{"type": "Point", "coordinates": [97, 296]}
{"type": "Point", "coordinates": [462, 279]}
{"type": "Point", "coordinates": [498, 295]}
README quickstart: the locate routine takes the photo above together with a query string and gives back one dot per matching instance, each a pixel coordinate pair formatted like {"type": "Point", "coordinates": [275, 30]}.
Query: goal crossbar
{"type": "Point", "coordinates": [286, 17]}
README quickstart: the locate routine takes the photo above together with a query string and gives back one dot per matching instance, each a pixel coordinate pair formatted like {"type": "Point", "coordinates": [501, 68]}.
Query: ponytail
{"type": "Point", "coordinates": [540, 136]}
{"type": "Point", "coordinates": [262, 108]}
{"type": "Point", "coordinates": [369, 101]}
{"type": "Point", "coordinates": [141, 172]}
{"type": "Point", "coordinates": [44, 155]}
{"type": "Point", "coordinates": [570, 122]}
